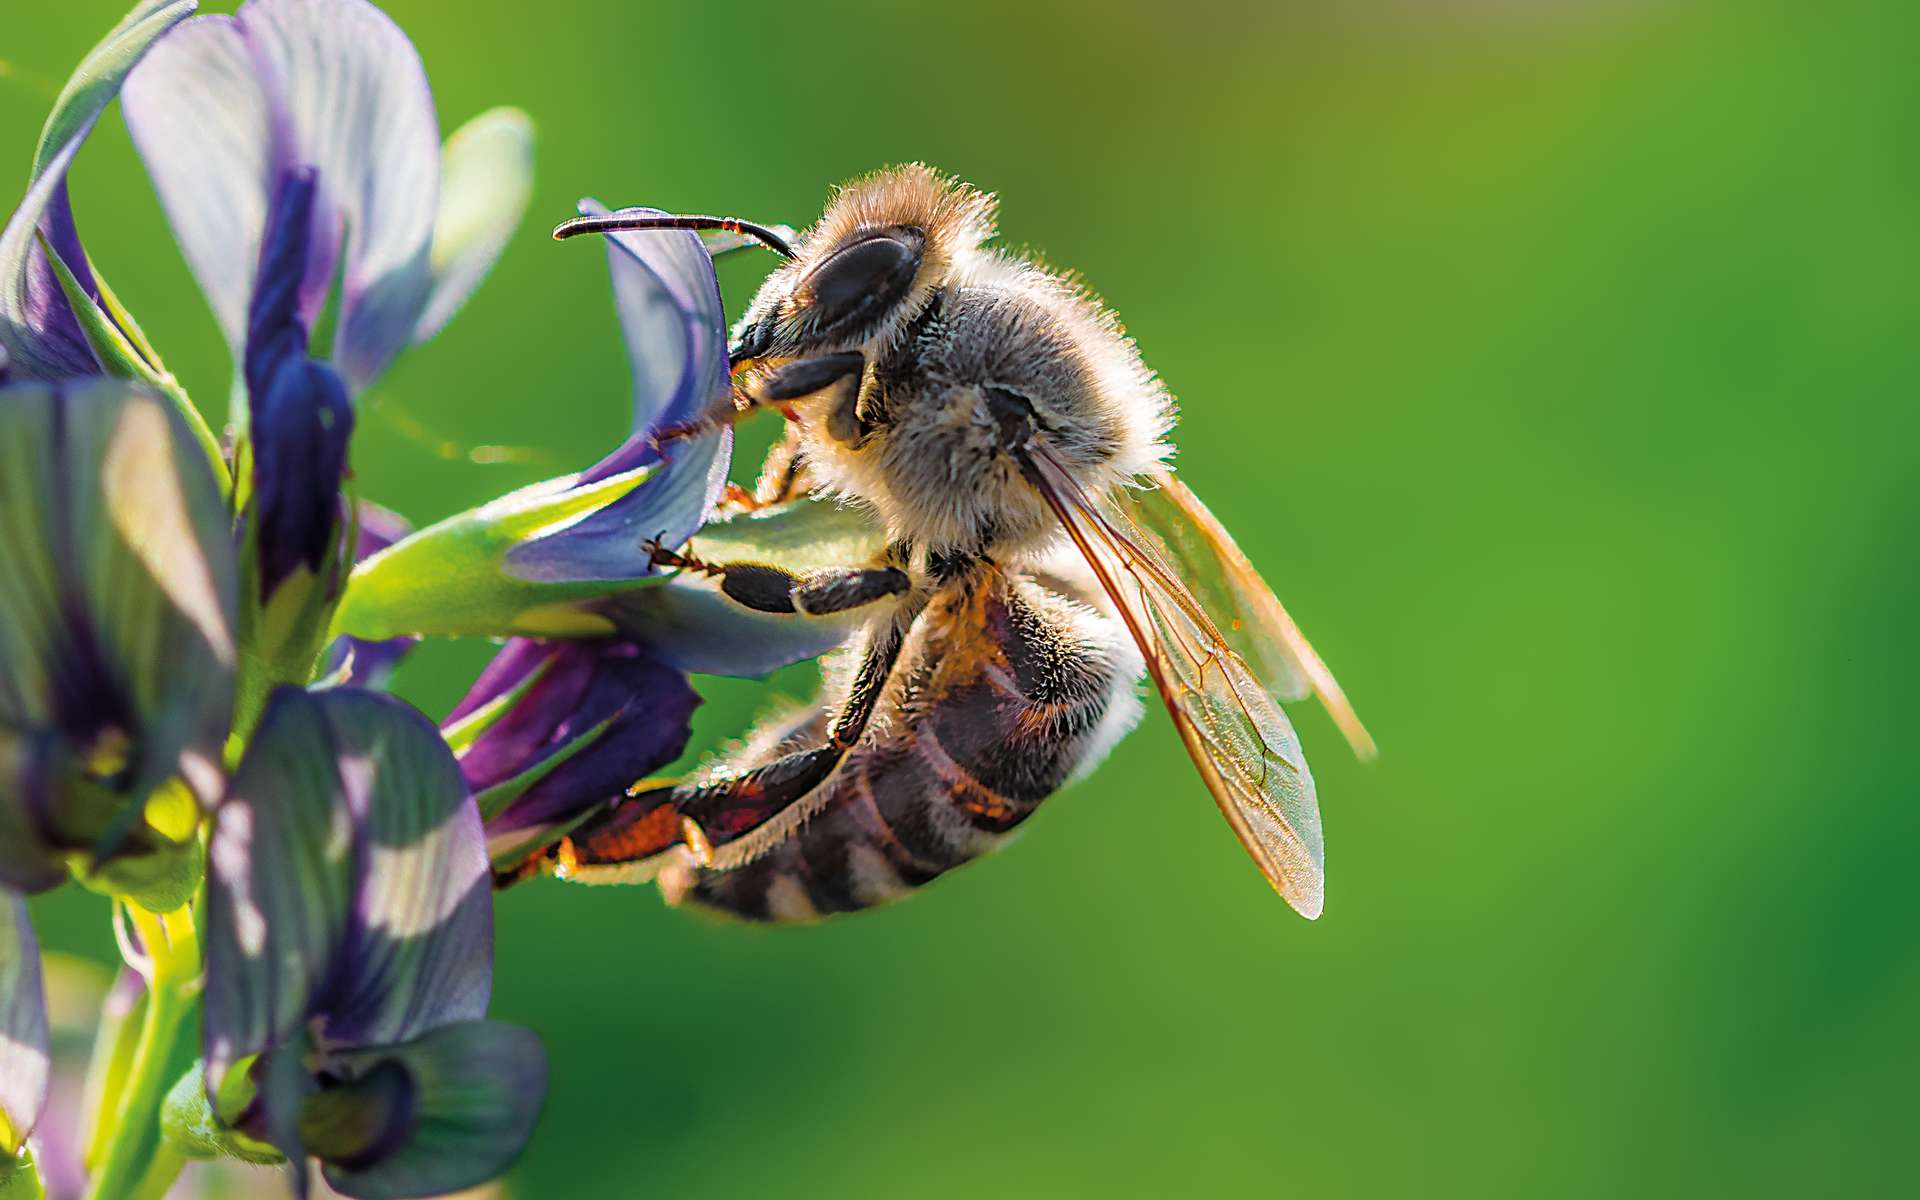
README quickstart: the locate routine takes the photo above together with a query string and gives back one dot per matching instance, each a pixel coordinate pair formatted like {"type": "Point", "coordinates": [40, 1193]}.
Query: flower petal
{"type": "Point", "coordinates": [24, 1061]}
{"type": "Point", "coordinates": [37, 330]}
{"type": "Point", "coordinates": [486, 178]}
{"type": "Point", "coordinates": [598, 716]}
{"type": "Point", "coordinates": [474, 1092]}
{"type": "Point", "coordinates": [117, 604]}
{"type": "Point", "coordinates": [671, 315]}
{"type": "Point", "coordinates": [671, 318]}
{"type": "Point", "coordinates": [199, 119]}
{"type": "Point", "coordinates": [688, 623]}
{"type": "Point", "coordinates": [358, 109]}
{"type": "Point", "coordinates": [609, 545]}
{"type": "Point", "coordinates": [301, 420]}
{"type": "Point", "coordinates": [349, 885]}
{"type": "Point", "coordinates": [231, 105]}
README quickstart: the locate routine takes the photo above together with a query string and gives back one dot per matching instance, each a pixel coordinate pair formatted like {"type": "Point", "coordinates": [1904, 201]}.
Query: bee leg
{"type": "Point", "coordinates": [770, 589]}
{"type": "Point", "coordinates": [783, 475]}
{"type": "Point", "coordinates": [806, 376]}
{"type": "Point", "coordinates": [726, 810]}
{"type": "Point", "coordinates": [632, 838]}
{"type": "Point", "coordinates": [789, 381]}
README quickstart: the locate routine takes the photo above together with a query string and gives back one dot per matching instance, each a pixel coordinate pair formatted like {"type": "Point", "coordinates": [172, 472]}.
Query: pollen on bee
{"type": "Point", "coordinates": [697, 841]}
{"type": "Point", "coordinates": [566, 861]}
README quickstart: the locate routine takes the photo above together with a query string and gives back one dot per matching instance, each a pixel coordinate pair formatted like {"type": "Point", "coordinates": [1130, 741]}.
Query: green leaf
{"type": "Point", "coordinates": [450, 578]}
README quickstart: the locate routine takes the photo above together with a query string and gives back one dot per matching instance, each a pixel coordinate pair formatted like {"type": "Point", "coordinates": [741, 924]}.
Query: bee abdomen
{"type": "Point", "coordinates": [980, 745]}
{"type": "Point", "coordinates": [890, 825]}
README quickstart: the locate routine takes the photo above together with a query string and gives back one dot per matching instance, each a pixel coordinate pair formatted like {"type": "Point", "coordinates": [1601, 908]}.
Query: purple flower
{"type": "Point", "coordinates": [294, 143]}
{"type": "Point", "coordinates": [298, 409]}
{"type": "Point", "coordinates": [563, 727]}
{"type": "Point", "coordinates": [671, 317]}
{"type": "Point", "coordinates": [551, 730]}
{"type": "Point", "coordinates": [117, 644]}
{"type": "Point", "coordinates": [349, 956]}
{"type": "Point", "coordinates": [227, 108]}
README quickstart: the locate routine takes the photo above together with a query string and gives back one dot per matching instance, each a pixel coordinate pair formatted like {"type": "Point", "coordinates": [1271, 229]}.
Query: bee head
{"type": "Point", "coordinates": [865, 270]}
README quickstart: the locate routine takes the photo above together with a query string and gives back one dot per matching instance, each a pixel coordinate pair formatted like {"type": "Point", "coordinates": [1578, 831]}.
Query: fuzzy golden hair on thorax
{"type": "Point", "coordinates": [956, 217]}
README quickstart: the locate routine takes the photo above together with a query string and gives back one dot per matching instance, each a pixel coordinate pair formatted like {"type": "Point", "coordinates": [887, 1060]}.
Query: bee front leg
{"type": "Point", "coordinates": [779, 385]}
{"type": "Point", "coordinates": [803, 377]}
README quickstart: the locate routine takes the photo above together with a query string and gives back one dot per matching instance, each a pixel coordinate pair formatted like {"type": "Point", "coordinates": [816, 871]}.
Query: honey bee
{"type": "Point", "coordinates": [1040, 556]}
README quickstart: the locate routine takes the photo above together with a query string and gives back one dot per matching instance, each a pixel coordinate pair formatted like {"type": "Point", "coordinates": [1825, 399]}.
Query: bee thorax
{"type": "Point", "coordinates": [934, 439]}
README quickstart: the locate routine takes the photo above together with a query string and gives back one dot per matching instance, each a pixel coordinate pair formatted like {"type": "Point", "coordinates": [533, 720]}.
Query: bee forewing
{"type": "Point", "coordinates": [1238, 737]}
{"type": "Point", "coordinates": [1173, 522]}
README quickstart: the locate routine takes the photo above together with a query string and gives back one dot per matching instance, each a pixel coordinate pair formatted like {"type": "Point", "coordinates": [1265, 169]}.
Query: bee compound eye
{"type": "Point", "coordinates": [860, 282]}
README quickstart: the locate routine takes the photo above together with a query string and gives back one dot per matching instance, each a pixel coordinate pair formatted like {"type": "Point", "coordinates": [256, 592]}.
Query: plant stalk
{"type": "Point", "coordinates": [136, 1163]}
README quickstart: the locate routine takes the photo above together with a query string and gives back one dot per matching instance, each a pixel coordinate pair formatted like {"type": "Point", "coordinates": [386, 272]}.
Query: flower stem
{"type": "Point", "coordinates": [136, 1163]}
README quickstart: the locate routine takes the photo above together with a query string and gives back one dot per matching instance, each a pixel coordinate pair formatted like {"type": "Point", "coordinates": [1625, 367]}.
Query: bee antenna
{"type": "Point", "coordinates": [629, 221]}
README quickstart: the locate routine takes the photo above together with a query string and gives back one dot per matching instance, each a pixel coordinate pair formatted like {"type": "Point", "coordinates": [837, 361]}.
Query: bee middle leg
{"type": "Point", "coordinates": [764, 587]}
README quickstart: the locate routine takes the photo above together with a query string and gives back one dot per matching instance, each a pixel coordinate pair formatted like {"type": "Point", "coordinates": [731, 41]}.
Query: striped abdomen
{"type": "Point", "coordinates": [1006, 689]}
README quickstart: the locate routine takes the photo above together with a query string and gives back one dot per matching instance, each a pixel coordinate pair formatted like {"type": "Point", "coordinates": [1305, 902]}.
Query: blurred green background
{"type": "Point", "coordinates": [1556, 361]}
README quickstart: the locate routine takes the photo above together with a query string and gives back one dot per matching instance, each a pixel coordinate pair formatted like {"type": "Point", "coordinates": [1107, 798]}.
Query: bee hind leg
{"type": "Point", "coordinates": [722, 819]}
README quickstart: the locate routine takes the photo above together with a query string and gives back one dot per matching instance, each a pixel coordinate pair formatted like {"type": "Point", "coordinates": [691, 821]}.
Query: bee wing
{"type": "Point", "coordinates": [1242, 743]}
{"type": "Point", "coordinates": [1173, 521]}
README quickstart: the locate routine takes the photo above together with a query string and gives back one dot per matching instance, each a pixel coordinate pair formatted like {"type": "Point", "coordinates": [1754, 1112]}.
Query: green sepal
{"type": "Point", "coordinates": [97, 79]}
{"type": "Point", "coordinates": [160, 879]}
{"type": "Point", "coordinates": [283, 638]}
{"type": "Point", "coordinates": [168, 861]}
{"type": "Point", "coordinates": [494, 800]}
{"type": "Point", "coordinates": [467, 730]}
{"type": "Point", "coordinates": [451, 579]}
{"type": "Point", "coordinates": [691, 624]}
{"type": "Point", "coordinates": [116, 354]}
{"type": "Point", "coordinates": [193, 1130]}
{"type": "Point", "coordinates": [19, 1180]}
{"type": "Point", "coordinates": [128, 326]}
{"type": "Point", "coordinates": [88, 91]}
